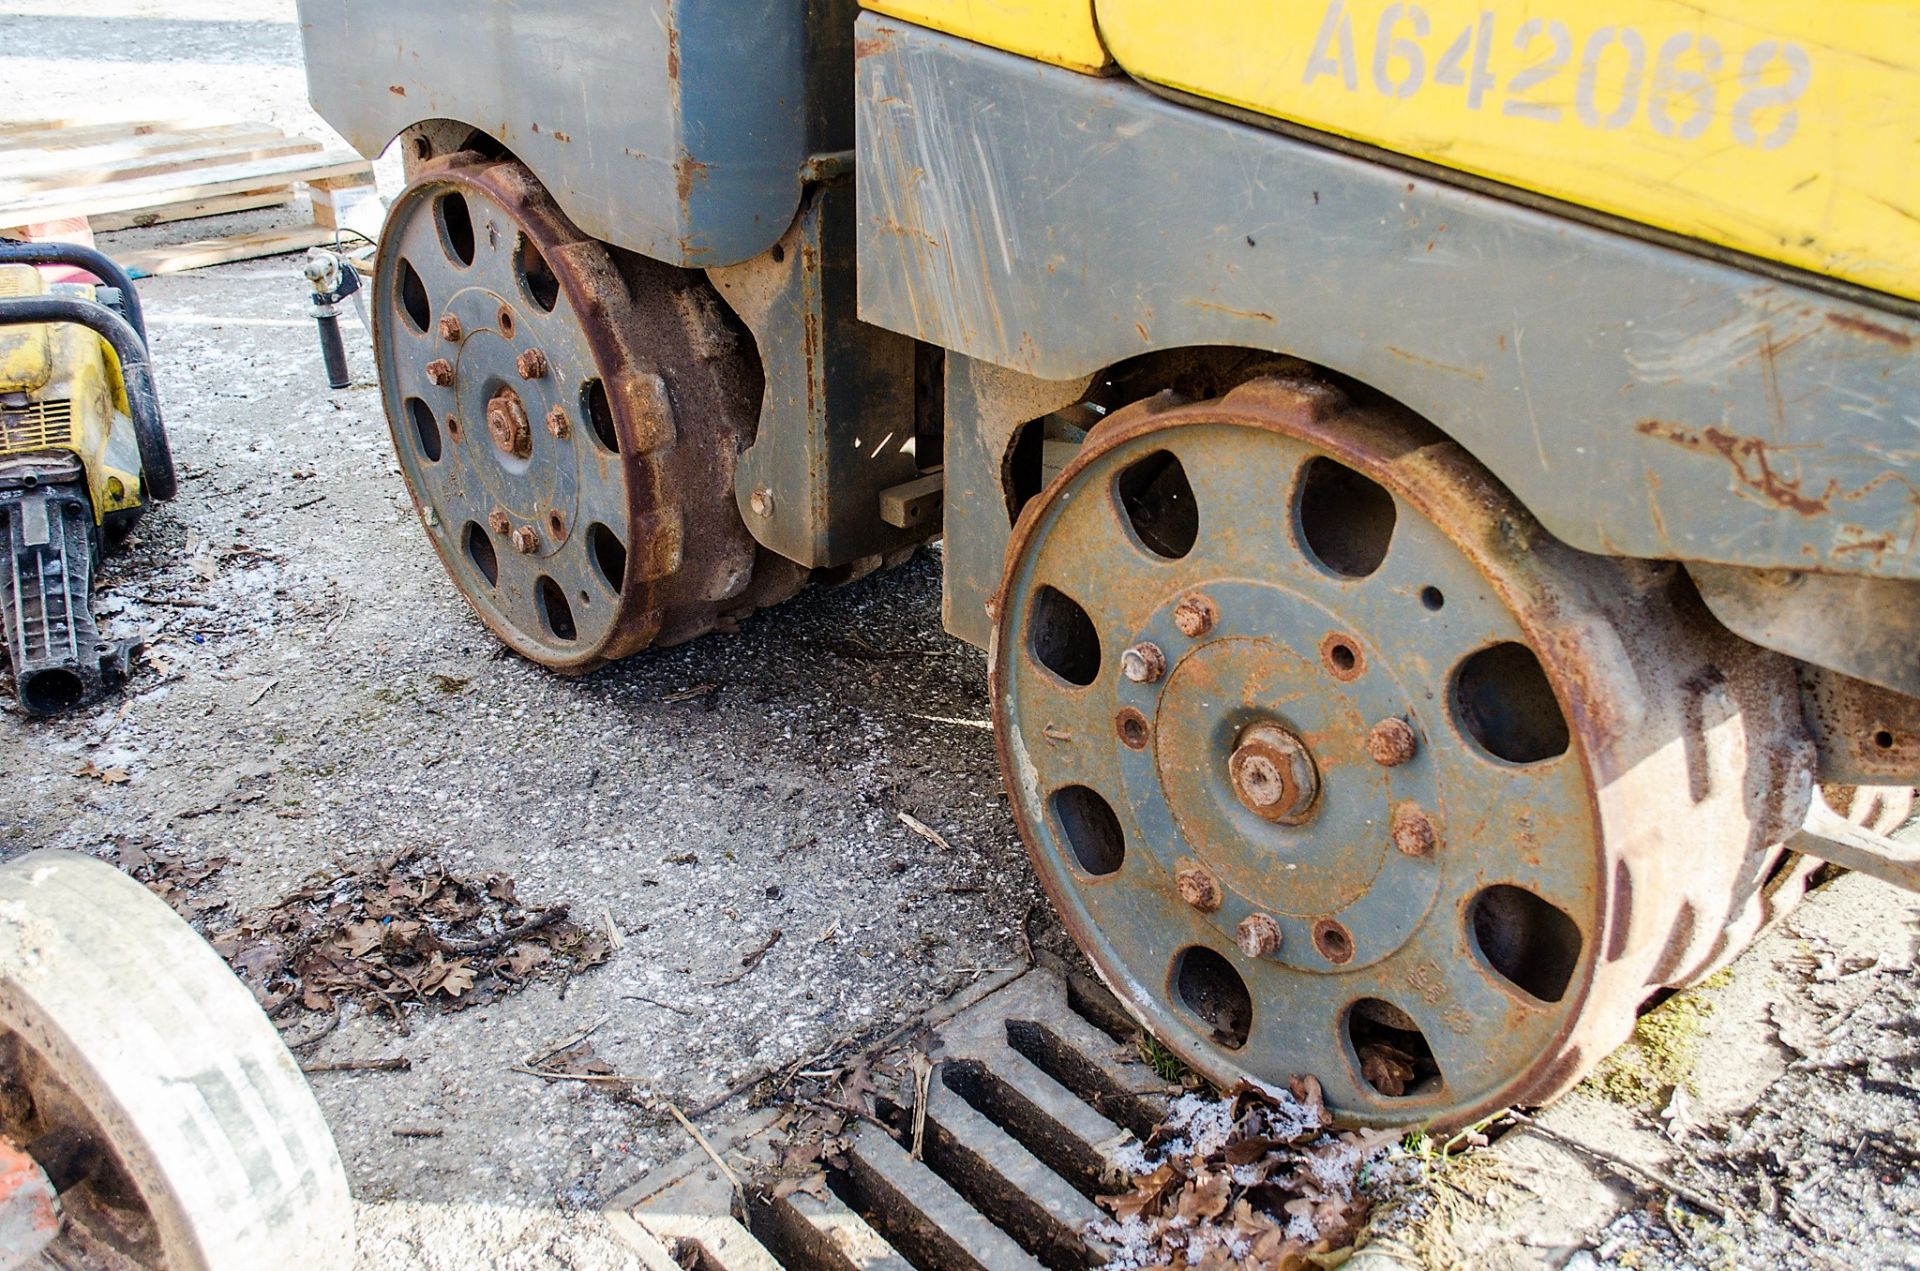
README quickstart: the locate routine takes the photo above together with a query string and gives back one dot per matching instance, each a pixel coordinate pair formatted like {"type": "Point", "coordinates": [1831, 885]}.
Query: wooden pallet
{"type": "Point", "coordinates": [135, 173]}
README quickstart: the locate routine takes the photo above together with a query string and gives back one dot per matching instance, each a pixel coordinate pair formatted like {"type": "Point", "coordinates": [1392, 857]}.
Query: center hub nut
{"type": "Point", "coordinates": [507, 423]}
{"type": "Point", "coordinates": [1273, 774]}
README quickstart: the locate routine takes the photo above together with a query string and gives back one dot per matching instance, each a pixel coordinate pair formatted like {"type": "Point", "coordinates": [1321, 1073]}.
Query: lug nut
{"type": "Point", "coordinates": [525, 541]}
{"type": "Point", "coordinates": [1392, 742]}
{"type": "Point", "coordinates": [1198, 888]}
{"type": "Point", "coordinates": [1195, 616]}
{"type": "Point", "coordinates": [507, 423]}
{"type": "Point", "coordinates": [532, 364]}
{"type": "Point", "coordinates": [1413, 831]}
{"type": "Point", "coordinates": [497, 521]}
{"type": "Point", "coordinates": [1273, 774]}
{"type": "Point", "coordinates": [1258, 935]}
{"type": "Point", "coordinates": [557, 422]}
{"type": "Point", "coordinates": [761, 501]}
{"type": "Point", "coordinates": [1144, 663]}
{"type": "Point", "coordinates": [440, 372]}
{"type": "Point", "coordinates": [449, 327]}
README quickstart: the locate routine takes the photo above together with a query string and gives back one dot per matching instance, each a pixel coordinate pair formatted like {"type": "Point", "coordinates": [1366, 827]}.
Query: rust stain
{"type": "Point", "coordinates": [560, 136]}
{"type": "Point", "coordinates": [1141, 327]}
{"type": "Point", "coordinates": [1476, 374]}
{"type": "Point", "coordinates": [1751, 460]}
{"type": "Point", "coordinates": [1872, 330]}
{"type": "Point", "coordinates": [1231, 311]}
{"type": "Point", "coordinates": [673, 53]}
{"type": "Point", "coordinates": [397, 90]}
{"type": "Point", "coordinates": [686, 171]}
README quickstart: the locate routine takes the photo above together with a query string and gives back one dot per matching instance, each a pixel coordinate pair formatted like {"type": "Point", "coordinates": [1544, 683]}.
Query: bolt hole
{"type": "Point", "coordinates": [1502, 699]}
{"type": "Point", "coordinates": [556, 526]}
{"type": "Point", "coordinates": [609, 556]}
{"type": "Point", "coordinates": [1394, 1056]}
{"type": "Point", "coordinates": [1091, 829]}
{"type": "Point", "coordinates": [555, 612]}
{"type": "Point", "coordinates": [1209, 987]}
{"type": "Point", "coordinates": [425, 428]}
{"type": "Point", "coordinates": [453, 427]}
{"type": "Point", "coordinates": [456, 226]}
{"type": "Point", "coordinates": [1432, 599]}
{"type": "Point", "coordinates": [1133, 730]}
{"type": "Point", "coordinates": [1529, 942]}
{"type": "Point", "coordinates": [536, 276]}
{"type": "Point", "coordinates": [422, 149]}
{"type": "Point", "coordinates": [1343, 657]}
{"type": "Point", "coordinates": [779, 254]}
{"type": "Point", "coordinates": [1345, 519]}
{"type": "Point", "coordinates": [1883, 739]}
{"type": "Point", "coordinates": [1334, 941]}
{"type": "Point", "coordinates": [505, 319]}
{"type": "Point", "coordinates": [1158, 501]}
{"type": "Point", "coordinates": [413, 298]}
{"type": "Point", "coordinates": [1062, 637]}
{"type": "Point", "coordinates": [599, 412]}
{"type": "Point", "coordinates": [480, 551]}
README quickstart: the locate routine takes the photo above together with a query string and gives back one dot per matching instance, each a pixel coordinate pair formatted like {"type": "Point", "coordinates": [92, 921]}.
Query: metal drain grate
{"type": "Point", "coordinates": [1034, 1089]}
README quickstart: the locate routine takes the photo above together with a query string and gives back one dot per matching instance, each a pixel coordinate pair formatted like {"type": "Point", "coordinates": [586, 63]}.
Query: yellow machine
{"type": "Point", "coordinates": [82, 451]}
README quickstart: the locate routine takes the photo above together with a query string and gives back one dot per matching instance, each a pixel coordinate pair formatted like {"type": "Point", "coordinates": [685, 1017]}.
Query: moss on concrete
{"type": "Point", "coordinates": [1660, 1056]}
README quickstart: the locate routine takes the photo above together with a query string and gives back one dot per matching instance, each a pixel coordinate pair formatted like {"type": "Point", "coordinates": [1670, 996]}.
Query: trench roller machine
{"type": "Point", "coordinates": [83, 452]}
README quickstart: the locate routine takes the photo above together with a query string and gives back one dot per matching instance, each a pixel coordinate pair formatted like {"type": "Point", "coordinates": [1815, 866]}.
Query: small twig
{"type": "Point", "coordinates": [1026, 936]}
{"type": "Point", "coordinates": [566, 1043]}
{"type": "Point", "coordinates": [924, 830]}
{"type": "Point", "coordinates": [987, 725]}
{"type": "Point", "coordinates": [599, 1078]}
{"type": "Point", "coordinates": [295, 507]}
{"type": "Point", "coordinates": [1628, 1169]}
{"type": "Point", "coordinates": [264, 690]}
{"type": "Point", "coordinates": [922, 1082]}
{"type": "Point", "coordinates": [417, 1131]}
{"type": "Point", "coordinates": [333, 1022]}
{"type": "Point", "coordinates": [751, 959]}
{"type": "Point", "coordinates": [545, 918]}
{"type": "Point", "coordinates": [725, 1169]}
{"type": "Point", "coordinates": [654, 1001]}
{"type": "Point", "coordinates": [392, 1063]}
{"type": "Point", "coordinates": [688, 694]}
{"type": "Point", "coordinates": [346, 607]}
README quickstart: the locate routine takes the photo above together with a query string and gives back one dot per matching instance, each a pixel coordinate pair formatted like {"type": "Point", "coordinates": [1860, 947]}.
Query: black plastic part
{"type": "Point", "coordinates": [156, 456]}
{"type": "Point", "coordinates": [333, 350]}
{"type": "Point", "coordinates": [59, 660]}
{"type": "Point", "coordinates": [97, 263]}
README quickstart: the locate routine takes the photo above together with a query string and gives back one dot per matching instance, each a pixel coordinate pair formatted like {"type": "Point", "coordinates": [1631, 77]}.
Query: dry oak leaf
{"type": "Point", "coordinates": [106, 776]}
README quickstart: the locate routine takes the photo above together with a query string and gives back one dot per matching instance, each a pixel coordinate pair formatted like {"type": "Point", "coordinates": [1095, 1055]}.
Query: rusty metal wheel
{"type": "Point", "coordinates": [567, 418]}
{"type": "Point", "coordinates": [1334, 762]}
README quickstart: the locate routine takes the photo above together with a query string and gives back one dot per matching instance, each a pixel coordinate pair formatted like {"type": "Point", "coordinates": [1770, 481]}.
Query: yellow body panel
{"type": "Point", "coordinates": [1057, 31]}
{"type": "Point", "coordinates": [26, 353]}
{"type": "Point", "coordinates": [1788, 129]}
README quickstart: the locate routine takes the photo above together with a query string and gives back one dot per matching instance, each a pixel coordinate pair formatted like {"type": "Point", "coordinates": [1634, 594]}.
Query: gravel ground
{"type": "Point", "coordinates": [315, 696]}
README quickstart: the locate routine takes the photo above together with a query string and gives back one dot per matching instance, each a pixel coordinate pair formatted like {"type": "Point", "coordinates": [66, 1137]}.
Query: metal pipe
{"type": "Point", "coordinates": [95, 262]}
{"type": "Point", "coordinates": [156, 457]}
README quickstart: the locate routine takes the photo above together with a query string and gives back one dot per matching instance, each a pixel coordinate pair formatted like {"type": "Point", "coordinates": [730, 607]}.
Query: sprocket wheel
{"type": "Point", "coordinates": [1334, 762]}
{"type": "Point", "coordinates": [568, 420]}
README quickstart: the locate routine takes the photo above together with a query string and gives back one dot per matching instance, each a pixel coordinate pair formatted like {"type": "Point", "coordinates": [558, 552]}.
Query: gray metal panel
{"type": "Point", "coordinates": [1639, 399]}
{"type": "Point", "coordinates": [674, 128]}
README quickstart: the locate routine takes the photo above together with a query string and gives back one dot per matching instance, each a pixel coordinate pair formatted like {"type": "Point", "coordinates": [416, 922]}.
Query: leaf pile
{"type": "Point", "coordinates": [403, 930]}
{"type": "Point", "coordinates": [171, 877]}
{"type": "Point", "coordinates": [1248, 1179]}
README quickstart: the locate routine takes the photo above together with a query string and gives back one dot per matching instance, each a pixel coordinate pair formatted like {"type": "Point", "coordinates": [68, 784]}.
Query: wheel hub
{"type": "Point", "coordinates": [1295, 765]}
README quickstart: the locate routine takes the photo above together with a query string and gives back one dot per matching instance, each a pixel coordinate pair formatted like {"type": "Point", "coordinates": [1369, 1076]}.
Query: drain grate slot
{"type": "Point", "coordinates": [921, 1214]}
{"type": "Point", "coordinates": [1093, 1084]}
{"type": "Point", "coordinates": [1066, 1153]}
{"type": "Point", "coordinates": [1091, 1002]}
{"type": "Point", "coordinates": [808, 1233]}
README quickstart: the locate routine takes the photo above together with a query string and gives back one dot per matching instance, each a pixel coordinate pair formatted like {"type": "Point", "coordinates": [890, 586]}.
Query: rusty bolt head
{"type": "Point", "coordinates": [449, 327]}
{"type": "Point", "coordinates": [440, 372]}
{"type": "Point", "coordinates": [1144, 663]}
{"type": "Point", "coordinates": [507, 423]}
{"type": "Point", "coordinates": [1392, 742]}
{"type": "Point", "coordinates": [1273, 774]}
{"type": "Point", "coordinates": [497, 521]}
{"type": "Point", "coordinates": [525, 541]}
{"type": "Point", "coordinates": [1195, 616]}
{"type": "Point", "coordinates": [557, 422]}
{"type": "Point", "coordinates": [761, 501]}
{"type": "Point", "coordinates": [532, 364]}
{"type": "Point", "coordinates": [1413, 831]}
{"type": "Point", "coordinates": [1198, 888]}
{"type": "Point", "coordinates": [1258, 935]}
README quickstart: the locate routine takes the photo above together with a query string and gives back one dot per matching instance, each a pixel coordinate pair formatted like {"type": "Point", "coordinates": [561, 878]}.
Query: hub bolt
{"type": "Point", "coordinates": [525, 541]}
{"type": "Point", "coordinates": [1198, 888]}
{"type": "Point", "coordinates": [497, 521]}
{"type": "Point", "coordinates": [532, 364]}
{"type": "Point", "coordinates": [1258, 936]}
{"type": "Point", "coordinates": [1195, 616]}
{"type": "Point", "coordinates": [761, 501]}
{"type": "Point", "coordinates": [507, 422]}
{"type": "Point", "coordinates": [1273, 774]}
{"type": "Point", "coordinates": [449, 327]}
{"type": "Point", "coordinates": [440, 372]}
{"type": "Point", "coordinates": [1413, 831]}
{"type": "Point", "coordinates": [1144, 663]}
{"type": "Point", "coordinates": [557, 422]}
{"type": "Point", "coordinates": [1392, 742]}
